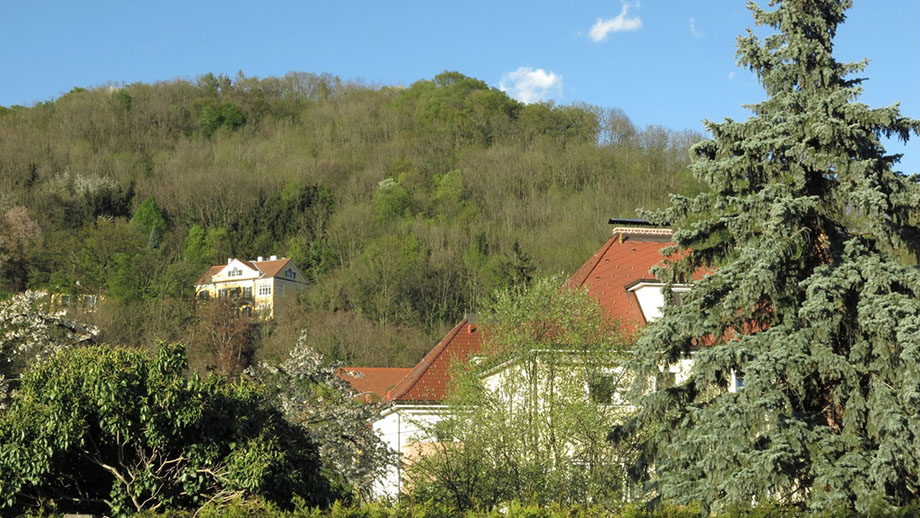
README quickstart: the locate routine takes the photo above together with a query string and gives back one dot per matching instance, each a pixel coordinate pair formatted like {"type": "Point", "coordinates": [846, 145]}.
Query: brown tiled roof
{"type": "Point", "coordinates": [268, 268]}
{"type": "Point", "coordinates": [428, 381]}
{"type": "Point", "coordinates": [212, 271]}
{"type": "Point", "coordinates": [372, 382]}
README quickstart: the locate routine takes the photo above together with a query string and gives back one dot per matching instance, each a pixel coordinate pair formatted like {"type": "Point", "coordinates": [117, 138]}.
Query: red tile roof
{"type": "Point", "coordinates": [623, 259]}
{"type": "Point", "coordinates": [428, 381]}
{"type": "Point", "coordinates": [270, 268]}
{"type": "Point", "coordinates": [372, 382]}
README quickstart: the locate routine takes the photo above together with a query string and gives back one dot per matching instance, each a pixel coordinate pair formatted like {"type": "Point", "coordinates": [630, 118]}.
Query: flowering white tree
{"type": "Point", "coordinates": [306, 389]}
{"type": "Point", "coordinates": [29, 333]}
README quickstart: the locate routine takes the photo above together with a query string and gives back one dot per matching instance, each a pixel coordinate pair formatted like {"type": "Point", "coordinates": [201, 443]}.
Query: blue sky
{"type": "Point", "coordinates": [670, 63]}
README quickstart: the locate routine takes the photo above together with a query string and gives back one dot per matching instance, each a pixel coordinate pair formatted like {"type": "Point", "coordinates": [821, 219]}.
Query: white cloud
{"type": "Point", "coordinates": [731, 75]}
{"type": "Point", "coordinates": [693, 31]}
{"type": "Point", "coordinates": [531, 85]}
{"type": "Point", "coordinates": [602, 28]}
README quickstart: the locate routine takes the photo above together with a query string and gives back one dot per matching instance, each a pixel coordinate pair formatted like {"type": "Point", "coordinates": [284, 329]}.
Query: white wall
{"type": "Point", "coordinates": [398, 427]}
{"type": "Point", "coordinates": [651, 298]}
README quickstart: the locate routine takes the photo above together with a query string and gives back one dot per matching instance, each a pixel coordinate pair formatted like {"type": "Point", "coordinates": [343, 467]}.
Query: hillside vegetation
{"type": "Point", "coordinates": [404, 206]}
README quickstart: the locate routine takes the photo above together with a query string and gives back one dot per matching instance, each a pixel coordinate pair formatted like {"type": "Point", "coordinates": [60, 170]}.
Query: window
{"type": "Point", "coordinates": [265, 289]}
{"type": "Point", "coordinates": [281, 290]}
{"type": "Point", "coordinates": [265, 309]}
{"type": "Point", "coordinates": [602, 390]}
{"type": "Point", "coordinates": [665, 380]}
{"type": "Point", "coordinates": [222, 293]}
{"type": "Point", "coordinates": [236, 272]}
{"type": "Point", "coordinates": [737, 382]}
{"type": "Point", "coordinates": [247, 292]}
{"type": "Point", "coordinates": [678, 297]}
{"type": "Point", "coordinates": [290, 273]}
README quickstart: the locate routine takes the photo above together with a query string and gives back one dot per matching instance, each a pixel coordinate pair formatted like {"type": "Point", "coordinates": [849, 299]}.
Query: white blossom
{"type": "Point", "coordinates": [309, 393]}
{"type": "Point", "coordinates": [29, 333]}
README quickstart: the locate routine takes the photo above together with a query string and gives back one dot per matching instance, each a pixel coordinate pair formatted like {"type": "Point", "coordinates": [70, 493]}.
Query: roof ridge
{"type": "Point", "coordinates": [600, 255]}
{"type": "Point", "coordinates": [409, 381]}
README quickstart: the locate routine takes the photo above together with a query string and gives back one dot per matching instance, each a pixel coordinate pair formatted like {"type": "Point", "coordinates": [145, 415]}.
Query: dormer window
{"type": "Point", "coordinates": [236, 272]}
{"type": "Point", "coordinates": [651, 296]}
{"type": "Point", "coordinates": [737, 381]}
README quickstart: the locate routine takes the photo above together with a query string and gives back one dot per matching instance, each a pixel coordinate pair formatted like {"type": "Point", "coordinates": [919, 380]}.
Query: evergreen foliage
{"type": "Point", "coordinates": [812, 301]}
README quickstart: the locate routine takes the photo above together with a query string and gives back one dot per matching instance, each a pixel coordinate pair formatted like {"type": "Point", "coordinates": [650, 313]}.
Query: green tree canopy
{"type": "Point", "coordinates": [111, 430]}
{"type": "Point", "coordinates": [148, 216]}
{"type": "Point", "coordinates": [806, 225]}
{"type": "Point", "coordinates": [528, 420]}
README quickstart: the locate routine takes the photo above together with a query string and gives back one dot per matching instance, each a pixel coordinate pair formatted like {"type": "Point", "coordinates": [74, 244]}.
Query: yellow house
{"type": "Point", "coordinates": [262, 285]}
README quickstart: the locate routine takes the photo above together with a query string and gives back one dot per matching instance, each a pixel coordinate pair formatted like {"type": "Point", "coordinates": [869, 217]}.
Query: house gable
{"type": "Point", "coordinates": [429, 380]}
{"type": "Point", "coordinates": [236, 270]}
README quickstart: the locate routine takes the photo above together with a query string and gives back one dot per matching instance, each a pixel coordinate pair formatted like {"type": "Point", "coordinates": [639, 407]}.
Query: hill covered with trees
{"type": "Point", "coordinates": [405, 207]}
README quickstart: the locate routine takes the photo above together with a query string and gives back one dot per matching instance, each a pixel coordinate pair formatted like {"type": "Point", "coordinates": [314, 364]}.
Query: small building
{"type": "Point", "coordinates": [260, 287]}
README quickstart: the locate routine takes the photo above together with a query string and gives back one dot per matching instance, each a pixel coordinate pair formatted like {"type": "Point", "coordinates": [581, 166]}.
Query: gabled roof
{"type": "Point", "coordinates": [212, 271]}
{"type": "Point", "coordinates": [428, 381]}
{"type": "Point", "coordinates": [268, 269]}
{"type": "Point", "coordinates": [625, 258]}
{"type": "Point", "coordinates": [271, 268]}
{"type": "Point", "coordinates": [372, 382]}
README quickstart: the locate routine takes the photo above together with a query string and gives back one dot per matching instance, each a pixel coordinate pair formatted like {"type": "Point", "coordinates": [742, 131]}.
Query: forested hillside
{"type": "Point", "coordinates": [405, 207]}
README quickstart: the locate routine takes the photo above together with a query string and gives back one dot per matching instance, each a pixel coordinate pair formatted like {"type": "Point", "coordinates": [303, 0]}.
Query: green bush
{"type": "Point", "coordinates": [259, 508]}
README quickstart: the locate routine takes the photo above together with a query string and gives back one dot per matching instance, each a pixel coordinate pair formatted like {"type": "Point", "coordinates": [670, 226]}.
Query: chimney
{"type": "Point", "coordinates": [259, 259]}
{"type": "Point", "coordinates": [229, 260]}
{"type": "Point", "coordinates": [273, 258]}
{"type": "Point", "coordinates": [639, 230]}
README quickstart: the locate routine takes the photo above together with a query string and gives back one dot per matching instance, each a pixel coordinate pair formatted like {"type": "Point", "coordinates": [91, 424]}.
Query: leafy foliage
{"type": "Point", "coordinates": [526, 421]}
{"type": "Point", "coordinates": [292, 166]}
{"type": "Point", "coordinates": [807, 225]}
{"type": "Point", "coordinates": [111, 430]}
{"type": "Point", "coordinates": [307, 391]}
{"type": "Point", "coordinates": [29, 332]}
{"type": "Point", "coordinates": [225, 337]}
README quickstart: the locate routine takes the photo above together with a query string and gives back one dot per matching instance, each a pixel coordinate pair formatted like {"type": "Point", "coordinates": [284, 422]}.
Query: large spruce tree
{"type": "Point", "coordinates": [812, 298]}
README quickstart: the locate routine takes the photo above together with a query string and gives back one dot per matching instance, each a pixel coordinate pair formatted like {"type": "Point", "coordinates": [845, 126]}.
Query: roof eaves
{"type": "Point", "coordinates": [407, 383]}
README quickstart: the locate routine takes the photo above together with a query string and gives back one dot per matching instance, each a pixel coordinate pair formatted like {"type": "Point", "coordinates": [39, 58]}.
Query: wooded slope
{"type": "Point", "coordinates": [404, 206]}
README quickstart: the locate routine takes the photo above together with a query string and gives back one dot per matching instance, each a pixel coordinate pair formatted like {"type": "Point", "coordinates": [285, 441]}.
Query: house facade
{"type": "Point", "coordinates": [260, 287]}
{"type": "Point", "coordinates": [617, 275]}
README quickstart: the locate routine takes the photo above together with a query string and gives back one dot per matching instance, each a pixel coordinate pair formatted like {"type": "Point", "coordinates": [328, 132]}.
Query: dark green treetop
{"type": "Point", "coordinates": [808, 231]}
